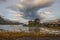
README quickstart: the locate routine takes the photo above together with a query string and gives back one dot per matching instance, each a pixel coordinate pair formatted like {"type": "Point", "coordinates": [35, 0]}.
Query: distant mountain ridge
{"type": "Point", "coordinates": [3, 22]}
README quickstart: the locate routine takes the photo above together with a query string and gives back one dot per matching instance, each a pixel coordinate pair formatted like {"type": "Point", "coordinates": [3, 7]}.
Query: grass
{"type": "Point", "coordinates": [22, 34]}
{"type": "Point", "coordinates": [27, 36]}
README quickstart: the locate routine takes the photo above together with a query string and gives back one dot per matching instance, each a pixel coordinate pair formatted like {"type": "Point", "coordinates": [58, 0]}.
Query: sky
{"type": "Point", "coordinates": [55, 8]}
{"type": "Point", "coordinates": [24, 10]}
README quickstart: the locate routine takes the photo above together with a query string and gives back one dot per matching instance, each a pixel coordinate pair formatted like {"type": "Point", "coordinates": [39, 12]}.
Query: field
{"type": "Point", "coordinates": [27, 36]}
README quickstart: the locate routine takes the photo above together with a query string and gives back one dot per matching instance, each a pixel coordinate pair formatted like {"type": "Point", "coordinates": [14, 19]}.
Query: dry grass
{"type": "Point", "coordinates": [27, 36]}
{"type": "Point", "coordinates": [22, 34]}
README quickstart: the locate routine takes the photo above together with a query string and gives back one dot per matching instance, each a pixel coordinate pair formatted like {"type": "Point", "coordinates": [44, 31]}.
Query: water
{"type": "Point", "coordinates": [20, 28]}
{"type": "Point", "coordinates": [14, 28]}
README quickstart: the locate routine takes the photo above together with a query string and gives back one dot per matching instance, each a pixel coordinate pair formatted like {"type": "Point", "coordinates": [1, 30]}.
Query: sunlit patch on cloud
{"type": "Point", "coordinates": [36, 3]}
{"type": "Point", "coordinates": [18, 15]}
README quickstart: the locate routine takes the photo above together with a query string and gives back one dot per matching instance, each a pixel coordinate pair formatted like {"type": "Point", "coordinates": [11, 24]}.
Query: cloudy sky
{"type": "Point", "coordinates": [24, 10]}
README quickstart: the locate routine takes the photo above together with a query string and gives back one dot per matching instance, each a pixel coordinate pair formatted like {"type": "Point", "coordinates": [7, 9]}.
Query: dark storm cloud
{"type": "Point", "coordinates": [30, 7]}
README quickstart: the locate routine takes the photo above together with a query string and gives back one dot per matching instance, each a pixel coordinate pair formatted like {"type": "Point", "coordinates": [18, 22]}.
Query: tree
{"type": "Point", "coordinates": [37, 22]}
{"type": "Point", "coordinates": [30, 23]}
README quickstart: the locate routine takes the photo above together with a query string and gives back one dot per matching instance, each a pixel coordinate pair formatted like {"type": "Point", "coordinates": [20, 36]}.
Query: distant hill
{"type": "Point", "coordinates": [3, 22]}
{"type": "Point", "coordinates": [54, 22]}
